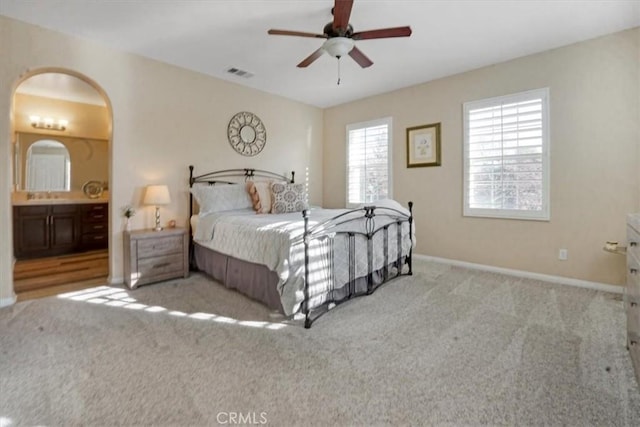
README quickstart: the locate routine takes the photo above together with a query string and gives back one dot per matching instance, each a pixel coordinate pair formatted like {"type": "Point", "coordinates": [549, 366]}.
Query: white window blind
{"type": "Point", "coordinates": [506, 154]}
{"type": "Point", "coordinates": [368, 162]}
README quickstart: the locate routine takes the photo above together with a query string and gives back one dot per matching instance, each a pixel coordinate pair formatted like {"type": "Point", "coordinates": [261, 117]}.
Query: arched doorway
{"type": "Point", "coordinates": [53, 104]}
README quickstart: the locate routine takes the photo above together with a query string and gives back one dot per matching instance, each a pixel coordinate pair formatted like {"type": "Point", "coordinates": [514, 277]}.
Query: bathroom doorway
{"type": "Point", "coordinates": [61, 147]}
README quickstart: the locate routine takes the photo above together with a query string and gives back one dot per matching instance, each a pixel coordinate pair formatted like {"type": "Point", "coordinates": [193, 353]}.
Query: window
{"type": "Point", "coordinates": [368, 162]}
{"type": "Point", "coordinates": [506, 156]}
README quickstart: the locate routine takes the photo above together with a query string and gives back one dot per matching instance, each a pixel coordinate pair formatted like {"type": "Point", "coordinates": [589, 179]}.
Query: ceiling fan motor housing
{"type": "Point", "coordinates": [338, 32]}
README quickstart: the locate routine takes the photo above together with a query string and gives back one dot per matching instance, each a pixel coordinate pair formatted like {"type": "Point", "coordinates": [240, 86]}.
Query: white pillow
{"type": "Point", "coordinates": [221, 197]}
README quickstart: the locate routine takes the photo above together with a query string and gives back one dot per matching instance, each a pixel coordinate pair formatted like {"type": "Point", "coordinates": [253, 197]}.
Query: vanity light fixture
{"type": "Point", "coordinates": [48, 123]}
{"type": "Point", "coordinates": [157, 195]}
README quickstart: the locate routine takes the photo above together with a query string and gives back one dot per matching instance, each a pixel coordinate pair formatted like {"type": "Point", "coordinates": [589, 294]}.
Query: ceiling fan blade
{"type": "Point", "coordinates": [382, 33]}
{"type": "Point", "coordinates": [296, 33]}
{"type": "Point", "coordinates": [309, 59]}
{"type": "Point", "coordinates": [341, 13]}
{"type": "Point", "coordinates": [360, 58]}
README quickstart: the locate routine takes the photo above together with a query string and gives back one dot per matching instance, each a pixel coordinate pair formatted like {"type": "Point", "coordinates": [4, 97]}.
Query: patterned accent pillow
{"type": "Point", "coordinates": [260, 196]}
{"type": "Point", "coordinates": [221, 197]}
{"type": "Point", "coordinates": [288, 197]}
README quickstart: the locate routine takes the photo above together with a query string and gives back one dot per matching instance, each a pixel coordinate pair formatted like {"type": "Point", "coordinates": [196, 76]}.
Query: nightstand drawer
{"type": "Point", "coordinates": [149, 268]}
{"type": "Point", "coordinates": [160, 246]}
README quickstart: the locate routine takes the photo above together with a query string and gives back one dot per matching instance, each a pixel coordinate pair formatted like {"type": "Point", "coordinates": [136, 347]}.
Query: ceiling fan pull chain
{"type": "Point", "coordinates": [338, 71]}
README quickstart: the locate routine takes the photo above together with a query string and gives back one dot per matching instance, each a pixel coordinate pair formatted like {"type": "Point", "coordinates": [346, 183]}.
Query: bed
{"type": "Point", "coordinates": [305, 260]}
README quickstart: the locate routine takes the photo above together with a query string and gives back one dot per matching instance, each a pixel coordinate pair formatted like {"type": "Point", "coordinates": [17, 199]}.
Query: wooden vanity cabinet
{"type": "Point", "coordinates": [56, 229]}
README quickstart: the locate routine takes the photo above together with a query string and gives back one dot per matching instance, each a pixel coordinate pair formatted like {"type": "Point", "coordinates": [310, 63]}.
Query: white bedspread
{"type": "Point", "coordinates": [275, 241]}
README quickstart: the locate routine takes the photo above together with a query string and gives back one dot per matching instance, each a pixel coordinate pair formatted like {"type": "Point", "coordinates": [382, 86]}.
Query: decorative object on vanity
{"type": "Point", "coordinates": [93, 189]}
{"type": "Point", "coordinates": [300, 263]}
{"type": "Point", "coordinates": [423, 146]}
{"type": "Point", "coordinates": [157, 195]}
{"type": "Point", "coordinates": [152, 256]}
{"type": "Point", "coordinates": [247, 134]}
{"type": "Point", "coordinates": [340, 37]}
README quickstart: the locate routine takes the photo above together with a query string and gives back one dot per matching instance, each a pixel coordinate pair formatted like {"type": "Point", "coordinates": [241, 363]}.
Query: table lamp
{"type": "Point", "coordinates": [157, 195]}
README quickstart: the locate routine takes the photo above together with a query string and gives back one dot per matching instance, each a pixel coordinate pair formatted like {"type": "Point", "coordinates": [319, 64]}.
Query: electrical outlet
{"type": "Point", "coordinates": [563, 254]}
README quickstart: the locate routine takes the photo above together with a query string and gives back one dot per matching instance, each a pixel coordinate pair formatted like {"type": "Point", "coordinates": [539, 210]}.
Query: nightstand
{"type": "Point", "coordinates": [152, 256]}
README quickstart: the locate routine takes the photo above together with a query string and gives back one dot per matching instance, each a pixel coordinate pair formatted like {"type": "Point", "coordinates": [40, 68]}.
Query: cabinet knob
{"type": "Point", "coordinates": [633, 270]}
{"type": "Point", "coordinates": [633, 342]}
{"type": "Point", "coordinates": [632, 243]}
{"type": "Point", "coordinates": [633, 303]}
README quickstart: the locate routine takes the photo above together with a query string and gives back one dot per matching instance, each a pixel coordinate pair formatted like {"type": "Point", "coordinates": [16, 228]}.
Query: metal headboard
{"type": "Point", "coordinates": [228, 176]}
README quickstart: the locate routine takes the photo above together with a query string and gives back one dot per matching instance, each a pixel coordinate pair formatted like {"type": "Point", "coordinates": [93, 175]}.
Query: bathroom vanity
{"type": "Point", "coordinates": [51, 227]}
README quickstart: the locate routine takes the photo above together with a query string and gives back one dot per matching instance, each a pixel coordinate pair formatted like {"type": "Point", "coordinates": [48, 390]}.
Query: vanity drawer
{"type": "Point", "coordinates": [95, 212]}
{"type": "Point", "coordinates": [94, 227]}
{"type": "Point", "coordinates": [94, 241]}
{"type": "Point", "coordinates": [633, 242]}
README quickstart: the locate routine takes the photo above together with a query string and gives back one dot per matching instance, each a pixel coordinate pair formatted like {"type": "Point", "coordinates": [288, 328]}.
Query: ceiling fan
{"type": "Point", "coordinates": [340, 37]}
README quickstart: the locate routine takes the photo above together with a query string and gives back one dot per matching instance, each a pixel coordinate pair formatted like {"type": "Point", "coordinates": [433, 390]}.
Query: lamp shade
{"type": "Point", "coordinates": [157, 195]}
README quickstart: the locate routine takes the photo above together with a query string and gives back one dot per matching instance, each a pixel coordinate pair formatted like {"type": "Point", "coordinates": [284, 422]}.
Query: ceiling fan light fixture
{"type": "Point", "coordinates": [338, 46]}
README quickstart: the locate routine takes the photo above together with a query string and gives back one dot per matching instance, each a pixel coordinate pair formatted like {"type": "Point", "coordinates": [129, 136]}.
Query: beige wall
{"type": "Point", "coordinates": [594, 104]}
{"type": "Point", "coordinates": [164, 118]}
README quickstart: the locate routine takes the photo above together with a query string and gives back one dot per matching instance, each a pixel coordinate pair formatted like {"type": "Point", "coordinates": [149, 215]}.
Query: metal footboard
{"type": "Point", "coordinates": [338, 227]}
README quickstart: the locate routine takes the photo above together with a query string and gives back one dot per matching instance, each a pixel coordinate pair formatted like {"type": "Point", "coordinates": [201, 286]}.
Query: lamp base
{"type": "Point", "coordinates": [157, 227]}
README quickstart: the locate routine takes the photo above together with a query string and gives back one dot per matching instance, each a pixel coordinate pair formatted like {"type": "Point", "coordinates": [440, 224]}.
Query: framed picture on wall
{"type": "Point", "coordinates": [423, 146]}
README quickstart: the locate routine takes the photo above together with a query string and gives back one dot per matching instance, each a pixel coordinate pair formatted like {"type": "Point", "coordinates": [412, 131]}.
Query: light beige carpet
{"type": "Point", "coordinates": [448, 346]}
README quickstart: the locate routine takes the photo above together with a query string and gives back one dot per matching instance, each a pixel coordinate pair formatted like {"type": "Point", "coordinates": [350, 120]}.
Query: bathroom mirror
{"type": "Point", "coordinates": [48, 167]}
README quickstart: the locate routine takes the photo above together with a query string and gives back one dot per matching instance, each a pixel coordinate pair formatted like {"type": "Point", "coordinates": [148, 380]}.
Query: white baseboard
{"type": "Point", "coordinates": [606, 287]}
{"type": "Point", "coordinates": [116, 280]}
{"type": "Point", "coordinates": [6, 302]}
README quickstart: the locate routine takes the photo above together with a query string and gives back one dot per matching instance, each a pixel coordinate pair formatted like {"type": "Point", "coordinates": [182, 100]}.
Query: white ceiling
{"type": "Point", "coordinates": [212, 36]}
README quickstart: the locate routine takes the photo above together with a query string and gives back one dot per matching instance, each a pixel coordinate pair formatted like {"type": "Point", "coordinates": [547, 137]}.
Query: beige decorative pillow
{"type": "Point", "coordinates": [260, 196]}
{"type": "Point", "coordinates": [288, 198]}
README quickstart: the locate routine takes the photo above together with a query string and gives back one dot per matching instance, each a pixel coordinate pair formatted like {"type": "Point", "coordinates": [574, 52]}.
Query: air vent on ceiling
{"type": "Point", "coordinates": [240, 73]}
